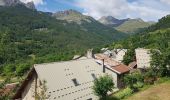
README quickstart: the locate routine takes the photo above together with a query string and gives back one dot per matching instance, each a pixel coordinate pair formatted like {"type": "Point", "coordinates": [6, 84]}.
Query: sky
{"type": "Point", "coordinates": [148, 10]}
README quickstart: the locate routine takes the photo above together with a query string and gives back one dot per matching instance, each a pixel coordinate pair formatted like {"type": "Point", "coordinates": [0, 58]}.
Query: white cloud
{"type": "Point", "coordinates": [36, 2]}
{"type": "Point", "coordinates": [165, 1]}
{"type": "Point", "coordinates": [145, 9]}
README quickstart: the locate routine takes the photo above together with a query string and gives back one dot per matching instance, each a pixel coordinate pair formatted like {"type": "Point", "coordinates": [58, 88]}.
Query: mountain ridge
{"type": "Point", "coordinates": [9, 3]}
{"type": "Point", "coordinates": [72, 16]}
{"type": "Point", "coordinates": [125, 25]}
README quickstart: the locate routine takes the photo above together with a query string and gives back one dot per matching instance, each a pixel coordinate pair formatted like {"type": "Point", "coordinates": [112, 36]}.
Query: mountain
{"type": "Point", "coordinates": [133, 25]}
{"type": "Point", "coordinates": [73, 16]}
{"type": "Point", "coordinates": [111, 21]}
{"type": "Point", "coordinates": [125, 25]}
{"type": "Point", "coordinates": [28, 36]}
{"type": "Point", "coordinates": [88, 24]}
{"type": "Point", "coordinates": [29, 5]}
{"type": "Point", "coordinates": [154, 37]}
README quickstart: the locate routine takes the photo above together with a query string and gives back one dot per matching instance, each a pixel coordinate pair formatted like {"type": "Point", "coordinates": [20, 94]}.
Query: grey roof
{"type": "Point", "coordinates": [59, 75]}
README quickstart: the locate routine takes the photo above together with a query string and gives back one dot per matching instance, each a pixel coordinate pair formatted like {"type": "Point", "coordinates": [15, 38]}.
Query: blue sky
{"type": "Point", "coordinates": [58, 5]}
{"type": "Point", "coordinates": [148, 10]}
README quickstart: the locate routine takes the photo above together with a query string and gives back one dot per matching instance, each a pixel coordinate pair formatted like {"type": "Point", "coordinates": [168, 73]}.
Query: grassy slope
{"type": "Point", "coordinates": [156, 92]}
{"type": "Point", "coordinates": [132, 26]}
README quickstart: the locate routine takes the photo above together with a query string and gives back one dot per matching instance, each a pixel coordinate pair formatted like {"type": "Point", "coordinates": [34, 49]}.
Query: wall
{"type": "Point", "coordinates": [143, 58]}
{"type": "Point", "coordinates": [28, 93]}
{"type": "Point", "coordinates": [114, 75]}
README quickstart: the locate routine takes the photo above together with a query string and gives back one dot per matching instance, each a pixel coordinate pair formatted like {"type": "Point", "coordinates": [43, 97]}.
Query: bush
{"type": "Point", "coordinates": [138, 85]}
{"type": "Point", "coordinates": [124, 93]}
{"type": "Point", "coordinates": [9, 70]}
{"type": "Point", "coordinates": [103, 85]}
{"type": "Point", "coordinates": [22, 68]}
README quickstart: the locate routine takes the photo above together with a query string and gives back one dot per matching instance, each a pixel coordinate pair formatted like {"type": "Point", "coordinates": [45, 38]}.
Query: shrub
{"type": "Point", "coordinates": [138, 85]}
{"type": "Point", "coordinates": [22, 68]}
{"type": "Point", "coordinates": [9, 70]}
{"type": "Point", "coordinates": [162, 80]}
{"type": "Point", "coordinates": [102, 85]}
{"type": "Point", "coordinates": [124, 93]}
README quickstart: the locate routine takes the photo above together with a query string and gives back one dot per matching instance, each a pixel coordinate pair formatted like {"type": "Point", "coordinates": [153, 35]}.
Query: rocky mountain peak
{"type": "Point", "coordinates": [72, 16]}
{"type": "Point", "coordinates": [30, 5]}
{"type": "Point", "coordinates": [8, 3]}
{"type": "Point", "coordinates": [111, 21]}
{"type": "Point", "coordinates": [70, 12]}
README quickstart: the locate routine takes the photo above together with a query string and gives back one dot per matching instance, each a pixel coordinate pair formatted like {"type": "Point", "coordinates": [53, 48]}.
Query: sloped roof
{"type": "Point", "coordinates": [121, 69]}
{"type": "Point", "coordinates": [111, 64]}
{"type": "Point", "coordinates": [132, 64]}
{"type": "Point", "coordinates": [107, 60]}
{"type": "Point", "coordinates": [59, 75]}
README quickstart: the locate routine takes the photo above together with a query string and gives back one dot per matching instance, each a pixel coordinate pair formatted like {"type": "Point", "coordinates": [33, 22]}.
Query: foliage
{"type": "Point", "coordinates": [133, 80]}
{"type": "Point", "coordinates": [102, 85]}
{"type": "Point", "coordinates": [22, 68]}
{"type": "Point", "coordinates": [132, 26]}
{"type": "Point", "coordinates": [124, 93]}
{"type": "Point", "coordinates": [138, 85]}
{"type": "Point", "coordinates": [2, 85]}
{"type": "Point", "coordinates": [129, 57]}
{"type": "Point", "coordinates": [156, 37]}
{"type": "Point", "coordinates": [31, 36]}
{"type": "Point", "coordinates": [42, 95]}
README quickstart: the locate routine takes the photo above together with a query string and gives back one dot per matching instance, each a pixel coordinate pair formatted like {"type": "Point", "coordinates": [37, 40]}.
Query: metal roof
{"type": "Point", "coordinates": [59, 77]}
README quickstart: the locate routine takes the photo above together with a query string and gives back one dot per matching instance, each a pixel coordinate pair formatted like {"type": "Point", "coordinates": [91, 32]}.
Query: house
{"type": "Point", "coordinates": [116, 69]}
{"type": "Point", "coordinates": [118, 54]}
{"type": "Point", "coordinates": [143, 58]}
{"type": "Point", "coordinates": [71, 80]}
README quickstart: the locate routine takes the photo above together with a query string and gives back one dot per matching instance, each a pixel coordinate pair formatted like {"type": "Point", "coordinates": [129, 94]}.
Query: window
{"type": "Point", "coordinates": [75, 82]}
{"type": "Point", "coordinates": [89, 99]}
{"type": "Point", "coordinates": [94, 76]}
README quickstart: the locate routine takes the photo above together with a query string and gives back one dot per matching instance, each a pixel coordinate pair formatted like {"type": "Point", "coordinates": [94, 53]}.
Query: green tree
{"type": "Point", "coordinates": [21, 69]}
{"type": "Point", "coordinates": [9, 70]}
{"type": "Point", "coordinates": [102, 85]}
{"type": "Point", "coordinates": [129, 57]}
{"type": "Point", "coordinates": [131, 80]}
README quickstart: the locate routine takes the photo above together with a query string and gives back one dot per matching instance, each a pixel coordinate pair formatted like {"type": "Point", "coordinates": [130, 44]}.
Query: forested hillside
{"type": "Point", "coordinates": [155, 37]}
{"type": "Point", "coordinates": [28, 36]}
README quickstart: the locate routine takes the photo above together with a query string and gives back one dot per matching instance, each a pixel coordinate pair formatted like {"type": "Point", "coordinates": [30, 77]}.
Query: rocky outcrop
{"type": "Point", "coordinates": [30, 5]}
{"type": "Point", "coordinates": [111, 21]}
{"type": "Point", "coordinates": [8, 3]}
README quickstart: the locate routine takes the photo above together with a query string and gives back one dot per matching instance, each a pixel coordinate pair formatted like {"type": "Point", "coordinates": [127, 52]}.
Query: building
{"type": "Point", "coordinates": [116, 69]}
{"type": "Point", "coordinates": [143, 58]}
{"type": "Point", "coordinates": [115, 54]}
{"type": "Point", "coordinates": [118, 54]}
{"type": "Point", "coordinates": [71, 80]}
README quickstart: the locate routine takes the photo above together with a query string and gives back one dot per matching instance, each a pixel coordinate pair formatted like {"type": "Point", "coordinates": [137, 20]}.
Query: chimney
{"type": "Point", "coordinates": [104, 70]}
{"type": "Point", "coordinates": [90, 53]}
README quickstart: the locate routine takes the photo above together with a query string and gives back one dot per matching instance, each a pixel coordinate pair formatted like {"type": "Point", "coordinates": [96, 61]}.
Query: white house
{"type": "Point", "coordinates": [116, 69]}
{"type": "Point", "coordinates": [118, 54]}
{"type": "Point", "coordinates": [143, 58]}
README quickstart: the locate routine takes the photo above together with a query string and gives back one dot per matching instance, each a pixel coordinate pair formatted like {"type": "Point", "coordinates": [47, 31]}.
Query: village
{"type": "Point", "coordinates": [74, 79]}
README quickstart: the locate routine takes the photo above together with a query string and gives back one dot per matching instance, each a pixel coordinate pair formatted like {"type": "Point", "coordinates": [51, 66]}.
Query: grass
{"type": "Point", "coordinates": [149, 92]}
{"type": "Point", "coordinates": [160, 91]}
{"type": "Point", "coordinates": [1, 78]}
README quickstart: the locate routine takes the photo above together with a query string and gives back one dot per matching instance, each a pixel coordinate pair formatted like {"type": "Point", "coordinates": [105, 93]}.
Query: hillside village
{"type": "Point", "coordinates": [74, 79]}
{"type": "Point", "coordinates": [45, 55]}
